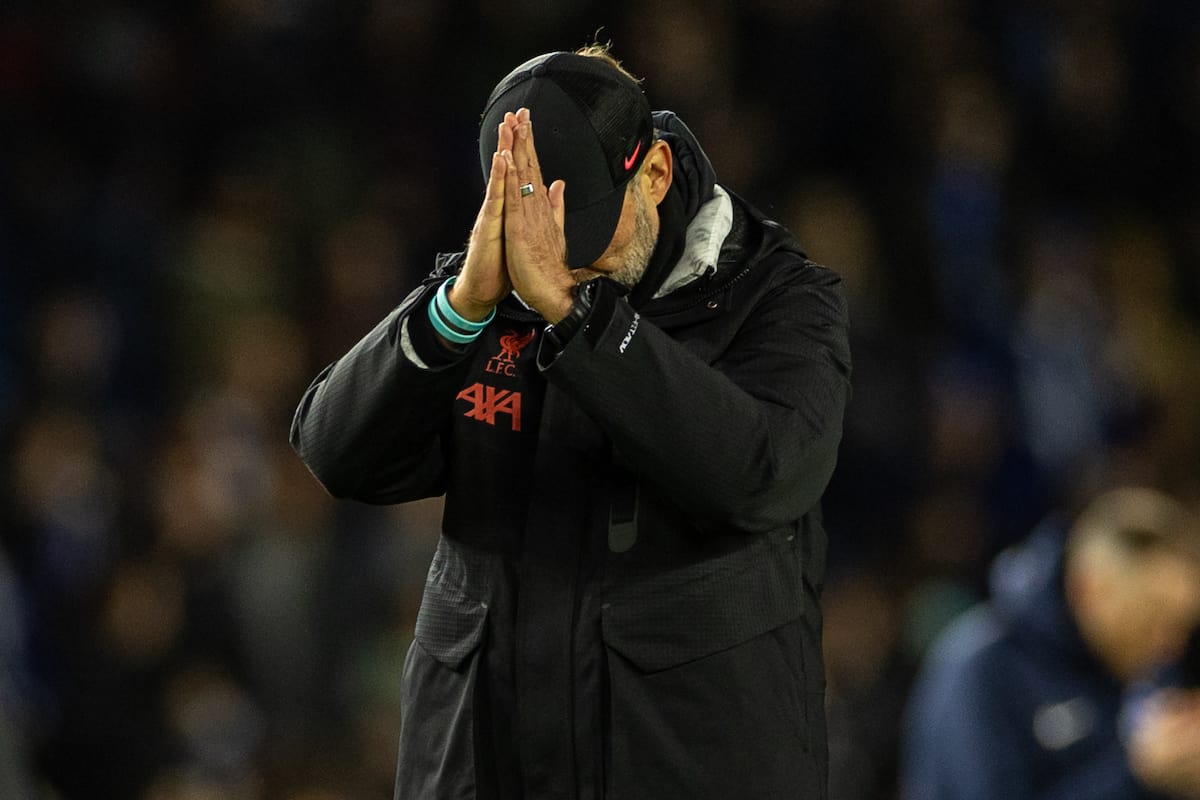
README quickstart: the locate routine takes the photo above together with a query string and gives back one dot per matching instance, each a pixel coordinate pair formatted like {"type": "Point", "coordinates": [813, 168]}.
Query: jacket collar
{"type": "Point", "coordinates": [707, 208]}
{"type": "Point", "coordinates": [705, 235]}
{"type": "Point", "coordinates": [1026, 585]}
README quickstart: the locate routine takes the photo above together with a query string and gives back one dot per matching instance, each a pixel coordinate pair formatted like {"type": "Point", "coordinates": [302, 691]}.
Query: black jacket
{"type": "Point", "coordinates": [625, 599]}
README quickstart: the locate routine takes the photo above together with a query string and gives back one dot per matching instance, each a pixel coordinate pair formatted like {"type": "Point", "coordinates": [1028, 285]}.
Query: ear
{"type": "Point", "coordinates": [657, 170]}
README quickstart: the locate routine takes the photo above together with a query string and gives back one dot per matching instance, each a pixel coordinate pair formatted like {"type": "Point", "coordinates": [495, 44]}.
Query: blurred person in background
{"type": "Point", "coordinates": [1040, 692]}
{"type": "Point", "coordinates": [625, 598]}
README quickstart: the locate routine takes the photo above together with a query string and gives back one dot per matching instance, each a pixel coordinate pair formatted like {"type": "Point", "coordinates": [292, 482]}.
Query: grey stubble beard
{"type": "Point", "coordinates": [641, 247]}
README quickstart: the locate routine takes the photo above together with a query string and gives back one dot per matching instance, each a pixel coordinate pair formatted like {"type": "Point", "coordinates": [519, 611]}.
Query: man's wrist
{"type": "Point", "coordinates": [450, 325]}
{"type": "Point", "coordinates": [559, 303]}
{"type": "Point", "coordinates": [558, 310]}
{"type": "Point", "coordinates": [467, 308]}
{"type": "Point", "coordinates": [432, 349]}
{"type": "Point", "coordinates": [570, 323]}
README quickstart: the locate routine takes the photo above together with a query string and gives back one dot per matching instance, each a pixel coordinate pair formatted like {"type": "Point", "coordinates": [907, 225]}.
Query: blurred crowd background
{"type": "Point", "coordinates": [202, 203]}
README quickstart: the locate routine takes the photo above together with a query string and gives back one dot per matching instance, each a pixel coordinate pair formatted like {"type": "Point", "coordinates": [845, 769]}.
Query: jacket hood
{"type": "Point", "coordinates": [707, 229]}
{"type": "Point", "coordinates": [1027, 591]}
{"type": "Point", "coordinates": [693, 185]}
{"type": "Point", "coordinates": [694, 174]}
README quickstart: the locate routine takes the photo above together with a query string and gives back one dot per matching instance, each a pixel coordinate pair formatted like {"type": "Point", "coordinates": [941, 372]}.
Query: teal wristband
{"type": "Point", "coordinates": [453, 317]}
{"type": "Point", "coordinates": [439, 325]}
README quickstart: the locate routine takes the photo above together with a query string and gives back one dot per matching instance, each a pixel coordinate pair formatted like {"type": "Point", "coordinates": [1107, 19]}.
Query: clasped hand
{"type": "Point", "coordinates": [517, 242]}
{"type": "Point", "coordinates": [1164, 750]}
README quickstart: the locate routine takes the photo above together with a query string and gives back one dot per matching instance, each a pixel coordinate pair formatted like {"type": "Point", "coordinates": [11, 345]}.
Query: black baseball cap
{"type": "Point", "coordinates": [592, 128]}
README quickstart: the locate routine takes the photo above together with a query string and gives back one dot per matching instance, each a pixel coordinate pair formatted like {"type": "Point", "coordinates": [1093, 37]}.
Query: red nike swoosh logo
{"type": "Point", "coordinates": [632, 158]}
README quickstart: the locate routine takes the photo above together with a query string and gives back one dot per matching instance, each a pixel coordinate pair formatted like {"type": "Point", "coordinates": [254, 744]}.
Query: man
{"type": "Point", "coordinates": [630, 389]}
{"type": "Point", "coordinates": [1027, 696]}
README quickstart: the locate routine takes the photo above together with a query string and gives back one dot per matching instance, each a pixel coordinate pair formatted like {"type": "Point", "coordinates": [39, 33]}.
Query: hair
{"type": "Point", "coordinates": [1128, 523]}
{"type": "Point", "coordinates": [603, 51]}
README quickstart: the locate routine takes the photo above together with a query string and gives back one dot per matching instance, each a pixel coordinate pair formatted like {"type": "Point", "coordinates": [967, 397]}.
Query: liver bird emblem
{"type": "Point", "coordinates": [512, 343]}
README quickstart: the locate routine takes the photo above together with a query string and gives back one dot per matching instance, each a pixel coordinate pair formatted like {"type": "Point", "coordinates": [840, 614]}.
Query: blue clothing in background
{"type": "Point", "coordinates": [1010, 704]}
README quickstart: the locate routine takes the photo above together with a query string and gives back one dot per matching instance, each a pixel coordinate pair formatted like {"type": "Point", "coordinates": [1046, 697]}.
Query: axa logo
{"type": "Point", "coordinates": [511, 345]}
{"type": "Point", "coordinates": [487, 402]}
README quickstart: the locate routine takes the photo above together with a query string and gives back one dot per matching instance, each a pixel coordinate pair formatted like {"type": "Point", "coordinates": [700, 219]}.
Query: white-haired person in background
{"type": "Point", "coordinates": [1041, 692]}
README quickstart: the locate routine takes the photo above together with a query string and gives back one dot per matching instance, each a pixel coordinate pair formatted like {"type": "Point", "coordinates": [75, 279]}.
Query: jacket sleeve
{"type": "Point", "coordinates": [748, 442]}
{"type": "Point", "coordinates": [370, 426]}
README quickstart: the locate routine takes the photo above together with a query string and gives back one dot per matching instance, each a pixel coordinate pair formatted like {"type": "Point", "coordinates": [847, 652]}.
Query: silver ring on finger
{"type": "Point", "coordinates": [526, 189]}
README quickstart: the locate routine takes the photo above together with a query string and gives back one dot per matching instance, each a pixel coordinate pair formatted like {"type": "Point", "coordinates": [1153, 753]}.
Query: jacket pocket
{"type": "Point", "coordinates": [438, 687]}
{"type": "Point", "coordinates": [732, 723]}
{"type": "Point", "coordinates": [452, 619]}
{"type": "Point", "coordinates": [437, 716]}
{"type": "Point", "coordinates": [703, 696]}
{"type": "Point", "coordinates": [669, 619]}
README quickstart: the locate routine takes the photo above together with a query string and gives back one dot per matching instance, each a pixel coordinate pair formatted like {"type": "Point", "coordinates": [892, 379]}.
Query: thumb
{"type": "Point", "coordinates": [556, 194]}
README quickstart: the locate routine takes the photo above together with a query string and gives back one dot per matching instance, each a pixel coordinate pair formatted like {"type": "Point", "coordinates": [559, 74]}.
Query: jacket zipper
{"type": "Point", "coordinates": [705, 295]}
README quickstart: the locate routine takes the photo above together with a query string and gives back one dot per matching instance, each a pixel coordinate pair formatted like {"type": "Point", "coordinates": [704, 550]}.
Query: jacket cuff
{"type": "Point", "coordinates": [428, 350]}
{"type": "Point", "coordinates": [586, 332]}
